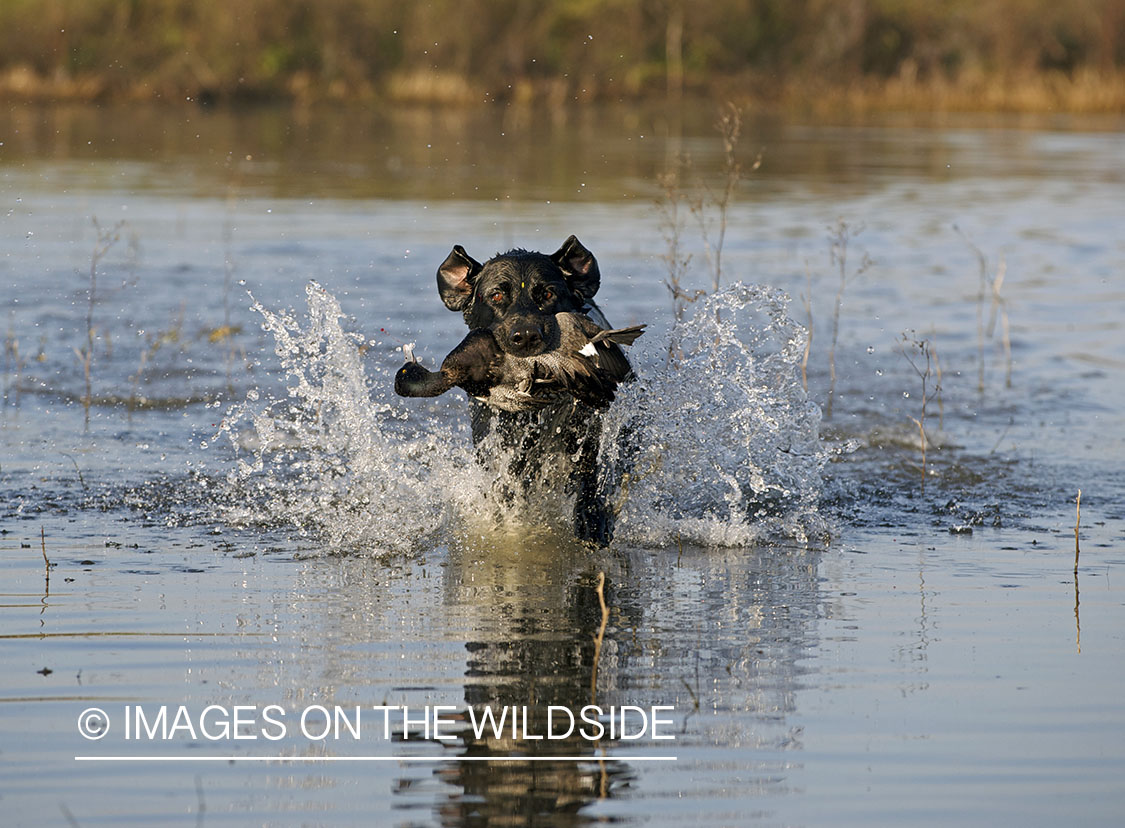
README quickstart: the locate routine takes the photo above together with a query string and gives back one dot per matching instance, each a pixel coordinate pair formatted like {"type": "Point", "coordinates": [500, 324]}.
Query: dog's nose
{"type": "Point", "coordinates": [525, 337]}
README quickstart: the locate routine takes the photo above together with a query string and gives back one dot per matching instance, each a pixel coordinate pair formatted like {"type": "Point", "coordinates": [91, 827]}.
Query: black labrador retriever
{"type": "Point", "coordinates": [539, 362]}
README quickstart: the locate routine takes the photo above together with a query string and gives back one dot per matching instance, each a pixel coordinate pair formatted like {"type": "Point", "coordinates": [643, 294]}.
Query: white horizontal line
{"type": "Point", "coordinates": [374, 758]}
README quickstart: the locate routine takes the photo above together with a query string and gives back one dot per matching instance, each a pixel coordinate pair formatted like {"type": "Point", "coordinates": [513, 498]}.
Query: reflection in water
{"type": "Point", "coordinates": [495, 153]}
{"type": "Point", "coordinates": [535, 617]}
{"type": "Point", "coordinates": [744, 642]}
{"type": "Point", "coordinates": [712, 637]}
{"type": "Point", "coordinates": [1077, 553]}
{"type": "Point", "coordinates": [1077, 619]}
{"type": "Point", "coordinates": [510, 616]}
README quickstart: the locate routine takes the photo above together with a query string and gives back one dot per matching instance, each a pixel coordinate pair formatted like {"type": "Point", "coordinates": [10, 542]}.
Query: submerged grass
{"type": "Point", "coordinates": [155, 342]}
{"type": "Point", "coordinates": [116, 384]}
{"type": "Point", "coordinates": [13, 365]}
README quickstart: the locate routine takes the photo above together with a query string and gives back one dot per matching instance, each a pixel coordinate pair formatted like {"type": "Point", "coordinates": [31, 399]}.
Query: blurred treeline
{"type": "Point", "coordinates": [987, 52]}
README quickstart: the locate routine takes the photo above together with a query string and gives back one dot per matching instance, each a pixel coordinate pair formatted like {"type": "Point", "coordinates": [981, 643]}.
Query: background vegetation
{"type": "Point", "coordinates": [1012, 54]}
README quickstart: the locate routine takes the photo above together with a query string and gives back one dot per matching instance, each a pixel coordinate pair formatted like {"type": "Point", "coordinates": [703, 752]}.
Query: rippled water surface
{"type": "Point", "coordinates": [237, 511]}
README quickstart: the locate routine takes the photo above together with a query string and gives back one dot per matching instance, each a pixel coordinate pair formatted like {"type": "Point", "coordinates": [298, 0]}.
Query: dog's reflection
{"type": "Point", "coordinates": [533, 597]}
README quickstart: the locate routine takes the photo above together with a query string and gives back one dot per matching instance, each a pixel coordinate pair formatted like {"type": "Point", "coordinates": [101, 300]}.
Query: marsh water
{"type": "Point", "coordinates": [210, 497]}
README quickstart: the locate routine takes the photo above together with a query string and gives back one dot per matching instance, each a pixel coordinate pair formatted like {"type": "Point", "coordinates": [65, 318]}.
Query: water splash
{"type": "Point", "coordinates": [336, 458]}
{"type": "Point", "coordinates": [721, 443]}
{"type": "Point", "coordinates": [718, 446]}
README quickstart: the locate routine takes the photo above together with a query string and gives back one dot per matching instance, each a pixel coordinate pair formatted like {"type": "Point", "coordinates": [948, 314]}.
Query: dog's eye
{"type": "Point", "coordinates": [548, 295]}
{"type": "Point", "coordinates": [497, 296]}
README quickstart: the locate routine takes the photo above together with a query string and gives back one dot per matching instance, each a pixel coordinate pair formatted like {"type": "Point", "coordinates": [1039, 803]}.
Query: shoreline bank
{"type": "Point", "coordinates": [1084, 92]}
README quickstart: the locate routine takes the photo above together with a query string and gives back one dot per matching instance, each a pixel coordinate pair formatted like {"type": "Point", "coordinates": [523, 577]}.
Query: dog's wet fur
{"type": "Point", "coordinates": [539, 361]}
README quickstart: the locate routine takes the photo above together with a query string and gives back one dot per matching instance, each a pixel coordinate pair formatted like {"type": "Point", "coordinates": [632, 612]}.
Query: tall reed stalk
{"type": "Point", "coordinates": [838, 246]}
{"type": "Point", "coordinates": [103, 243]}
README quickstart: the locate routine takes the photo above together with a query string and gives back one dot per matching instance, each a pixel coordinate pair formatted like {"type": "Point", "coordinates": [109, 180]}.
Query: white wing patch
{"type": "Point", "coordinates": [588, 350]}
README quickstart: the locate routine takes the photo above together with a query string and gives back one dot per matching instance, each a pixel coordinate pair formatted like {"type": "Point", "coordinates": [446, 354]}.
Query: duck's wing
{"type": "Point", "coordinates": [620, 336]}
{"type": "Point", "coordinates": [596, 348]}
{"type": "Point", "coordinates": [587, 364]}
{"type": "Point", "coordinates": [578, 376]}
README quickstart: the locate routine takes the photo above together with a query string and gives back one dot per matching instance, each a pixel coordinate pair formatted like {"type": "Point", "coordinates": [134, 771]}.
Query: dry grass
{"type": "Point", "coordinates": [105, 240]}
{"type": "Point", "coordinates": [46, 563]}
{"type": "Point", "coordinates": [1077, 523]}
{"type": "Point", "coordinates": [922, 358]}
{"type": "Point", "coordinates": [710, 210]}
{"type": "Point", "coordinates": [429, 86]}
{"type": "Point", "coordinates": [705, 201]}
{"type": "Point", "coordinates": [1085, 91]}
{"type": "Point", "coordinates": [806, 300]}
{"type": "Point", "coordinates": [839, 239]}
{"type": "Point", "coordinates": [989, 288]}
{"type": "Point", "coordinates": [1016, 55]}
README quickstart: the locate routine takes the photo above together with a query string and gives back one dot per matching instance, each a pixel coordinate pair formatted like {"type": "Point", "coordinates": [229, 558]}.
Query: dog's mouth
{"type": "Point", "coordinates": [526, 338]}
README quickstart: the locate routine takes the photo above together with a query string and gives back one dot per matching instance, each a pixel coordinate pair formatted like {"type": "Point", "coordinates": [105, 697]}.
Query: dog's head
{"type": "Point", "coordinates": [517, 294]}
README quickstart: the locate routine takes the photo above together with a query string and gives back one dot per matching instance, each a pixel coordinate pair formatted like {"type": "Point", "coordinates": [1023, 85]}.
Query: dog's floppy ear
{"type": "Point", "coordinates": [455, 278]}
{"type": "Point", "coordinates": [579, 266]}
